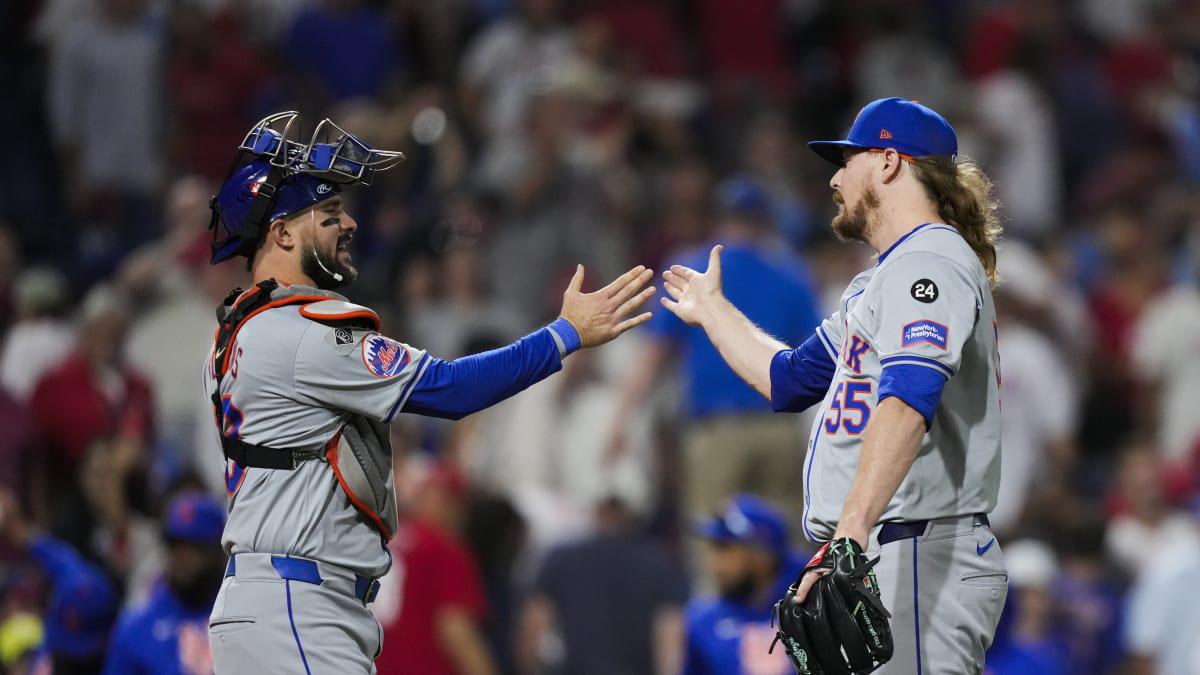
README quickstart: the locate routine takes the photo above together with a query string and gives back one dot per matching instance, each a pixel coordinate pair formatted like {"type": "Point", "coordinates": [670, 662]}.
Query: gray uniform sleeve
{"type": "Point", "coordinates": [356, 370]}
{"type": "Point", "coordinates": [924, 307]}
{"type": "Point", "coordinates": [830, 332]}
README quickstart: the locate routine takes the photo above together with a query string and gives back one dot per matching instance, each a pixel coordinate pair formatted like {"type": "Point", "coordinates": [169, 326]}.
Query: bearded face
{"type": "Point", "coordinates": [856, 221]}
{"type": "Point", "coordinates": [325, 255]}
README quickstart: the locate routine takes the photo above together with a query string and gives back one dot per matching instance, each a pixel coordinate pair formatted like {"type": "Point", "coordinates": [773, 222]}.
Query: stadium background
{"type": "Point", "coordinates": [541, 133]}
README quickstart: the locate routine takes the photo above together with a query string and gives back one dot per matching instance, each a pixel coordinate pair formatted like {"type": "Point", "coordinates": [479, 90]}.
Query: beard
{"type": "Point", "coordinates": [327, 272]}
{"type": "Point", "coordinates": [856, 224]}
{"type": "Point", "coordinates": [200, 591]}
{"type": "Point", "coordinates": [740, 590]}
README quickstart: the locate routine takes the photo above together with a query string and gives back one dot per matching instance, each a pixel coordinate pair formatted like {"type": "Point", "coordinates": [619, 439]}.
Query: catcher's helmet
{"type": "Point", "coordinates": [273, 176]}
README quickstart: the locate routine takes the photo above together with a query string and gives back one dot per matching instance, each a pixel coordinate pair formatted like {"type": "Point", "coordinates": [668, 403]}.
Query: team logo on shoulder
{"type": "Point", "coordinates": [924, 290]}
{"type": "Point", "coordinates": [384, 357]}
{"type": "Point", "coordinates": [925, 331]}
{"type": "Point", "coordinates": [343, 336]}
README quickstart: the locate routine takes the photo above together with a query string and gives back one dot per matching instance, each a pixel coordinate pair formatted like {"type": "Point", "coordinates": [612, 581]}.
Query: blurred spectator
{"type": "Point", "coordinates": [213, 78]}
{"type": "Point", "coordinates": [502, 61]}
{"type": "Point", "coordinates": [732, 442]}
{"type": "Point", "coordinates": [93, 419]}
{"type": "Point", "coordinates": [177, 292]}
{"type": "Point", "coordinates": [39, 338]}
{"type": "Point", "coordinates": [1041, 399]}
{"type": "Point", "coordinates": [1031, 647]}
{"type": "Point", "coordinates": [743, 48]}
{"type": "Point", "coordinates": [1145, 520]}
{"type": "Point", "coordinates": [898, 57]}
{"type": "Point", "coordinates": [341, 49]}
{"type": "Point", "coordinates": [751, 560]}
{"type": "Point", "coordinates": [558, 207]}
{"type": "Point", "coordinates": [1167, 356]}
{"type": "Point", "coordinates": [1089, 597]}
{"type": "Point", "coordinates": [1018, 124]}
{"type": "Point", "coordinates": [82, 604]}
{"type": "Point", "coordinates": [462, 309]}
{"type": "Point", "coordinates": [168, 634]}
{"type": "Point", "coordinates": [16, 445]}
{"type": "Point", "coordinates": [1164, 610]}
{"type": "Point", "coordinates": [431, 603]}
{"type": "Point", "coordinates": [545, 450]}
{"type": "Point", "coordinates": [106, 109]}
{"type": "Point", "coordinates": [769, 158]}
{"type": "Point", "coordinates": [609, 603]}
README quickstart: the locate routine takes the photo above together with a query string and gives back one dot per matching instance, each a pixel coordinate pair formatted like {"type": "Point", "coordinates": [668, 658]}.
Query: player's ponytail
{"type": "Point", "coordinates": [963, 194]}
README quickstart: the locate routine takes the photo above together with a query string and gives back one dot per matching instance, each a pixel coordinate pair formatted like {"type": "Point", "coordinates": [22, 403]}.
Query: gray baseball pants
{"type": "Point", "coordinates": [945, 585]}
{"type": "Point", "coordinates": [276, 615]}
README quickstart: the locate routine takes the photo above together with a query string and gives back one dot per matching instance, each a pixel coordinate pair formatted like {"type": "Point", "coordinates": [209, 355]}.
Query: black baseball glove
{"type": "Point", "coordinates": [842, 627]}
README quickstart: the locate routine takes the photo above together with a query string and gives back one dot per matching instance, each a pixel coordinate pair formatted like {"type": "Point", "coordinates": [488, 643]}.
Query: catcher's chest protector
{"type": "Point", "coordinates": [360, 454]}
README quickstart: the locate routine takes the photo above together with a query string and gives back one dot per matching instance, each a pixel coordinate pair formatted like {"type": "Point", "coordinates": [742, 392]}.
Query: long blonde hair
{"type": "Point", "coordinates": [964, 197]}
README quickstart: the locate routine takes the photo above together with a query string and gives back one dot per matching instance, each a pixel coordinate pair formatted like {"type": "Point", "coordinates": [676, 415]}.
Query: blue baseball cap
{"type": "Point", "coordinates": [742, 194]}
{"type": "Point", "coordinates": [194, 517]}
{"type": "Point", "coordinates": [905, 126]}
{"type": "Point", "coordinates": [749, 521]}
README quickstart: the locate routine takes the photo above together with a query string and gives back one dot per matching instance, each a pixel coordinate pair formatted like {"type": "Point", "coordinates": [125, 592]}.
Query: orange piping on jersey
{"type": "Point", "coordinates": [356, 314]}
{"type": "Point", "coordinates": [282, 302]}
{"type": "Point", "coordinates": [241, 479]}
{"type": "Point", "coordinates": [331, 454]}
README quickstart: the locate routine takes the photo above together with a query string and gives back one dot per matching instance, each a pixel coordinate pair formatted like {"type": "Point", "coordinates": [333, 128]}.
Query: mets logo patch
{"type": "Point", "coordinates": [384, 357]}
{"type": "Point", "coordinates": [925, 331]}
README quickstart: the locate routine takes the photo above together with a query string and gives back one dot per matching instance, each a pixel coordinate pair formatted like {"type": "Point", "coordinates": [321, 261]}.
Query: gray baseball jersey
{"type": "Point", "coordinates": [292, 382]}
{"type": "Point", "coordinates": [926, 303]}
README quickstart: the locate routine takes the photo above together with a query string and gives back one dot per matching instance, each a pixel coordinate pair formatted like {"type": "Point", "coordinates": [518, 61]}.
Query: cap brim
{"type": "Point", "coordinates": [831, 151]}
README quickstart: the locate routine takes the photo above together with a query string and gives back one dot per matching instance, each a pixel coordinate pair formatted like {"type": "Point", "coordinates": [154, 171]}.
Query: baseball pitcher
{"type": "Point", "coordinates": [903, 461]}
{"type": "Point", "coordinates": [303, 384]}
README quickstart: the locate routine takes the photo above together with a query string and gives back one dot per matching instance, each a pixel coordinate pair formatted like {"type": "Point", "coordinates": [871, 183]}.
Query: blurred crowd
{"type": "Point", "coordinates": [589, 525]}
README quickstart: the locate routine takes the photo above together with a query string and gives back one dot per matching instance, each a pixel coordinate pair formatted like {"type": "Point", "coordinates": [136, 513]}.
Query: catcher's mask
{"type": "Point", "coordinates": [273, 176]}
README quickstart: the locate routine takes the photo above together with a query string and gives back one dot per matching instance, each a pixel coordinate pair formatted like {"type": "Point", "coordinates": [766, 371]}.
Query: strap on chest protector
{"type": "Point", "coordinates": [360, 454]}
{"type": "Point", "coordinates": [231, 316]}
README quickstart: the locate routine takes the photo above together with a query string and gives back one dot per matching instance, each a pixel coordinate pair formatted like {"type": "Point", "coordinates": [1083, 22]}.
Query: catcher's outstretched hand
{"type": "Point", "coordinates": [694, 295]}
{"type": "Point", "coordinates": [603, 315]}
{"type": "Point", "coordinates": [839, 625]}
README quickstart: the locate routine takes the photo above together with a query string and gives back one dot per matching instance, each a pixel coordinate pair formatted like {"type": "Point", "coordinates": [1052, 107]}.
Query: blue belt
{"type": "Point", "coordinates": [909, 529]}
{"type": "Point", "coordinates": [301, 569]}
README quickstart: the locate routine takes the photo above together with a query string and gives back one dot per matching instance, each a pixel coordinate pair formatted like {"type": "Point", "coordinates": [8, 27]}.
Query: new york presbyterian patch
{"type": "Point", "coordinates": [383, 356]}
{"type": "Point", "coordinates": [924, 331]}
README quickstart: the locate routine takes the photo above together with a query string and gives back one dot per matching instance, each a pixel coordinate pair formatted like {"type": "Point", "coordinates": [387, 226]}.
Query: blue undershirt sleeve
{"type": "Point", "coordinates": [918, 386]}
{"type": "Point", "coordinates": [800, 377]}
{"type": "Point", "coordinates": [455, 389]}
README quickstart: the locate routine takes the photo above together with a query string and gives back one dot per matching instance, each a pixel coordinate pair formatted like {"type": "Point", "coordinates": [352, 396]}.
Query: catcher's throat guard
{"type": "Point", "coordinates": [360, 454]}
{"type": "Point", "coordinates": [274, 175]}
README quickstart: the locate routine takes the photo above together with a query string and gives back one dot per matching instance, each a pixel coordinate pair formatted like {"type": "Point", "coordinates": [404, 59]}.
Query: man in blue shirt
{"type": "Point", "coordinates": [168, 635]}
{"type": "Point", "coordinates": [752, 565]}
{"type": "Point", "coordinates": [83, 600]}
{"type": "Point", "coordinates": [732, 442]}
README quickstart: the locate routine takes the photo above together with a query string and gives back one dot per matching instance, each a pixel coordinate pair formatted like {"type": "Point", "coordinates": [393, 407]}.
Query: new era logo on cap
{"type": "Point", "coordinates": [908, 127]}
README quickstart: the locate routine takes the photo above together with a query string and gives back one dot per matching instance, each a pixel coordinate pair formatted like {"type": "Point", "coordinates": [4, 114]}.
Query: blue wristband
{"type": "Point", "coordinates": [566, 336]}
